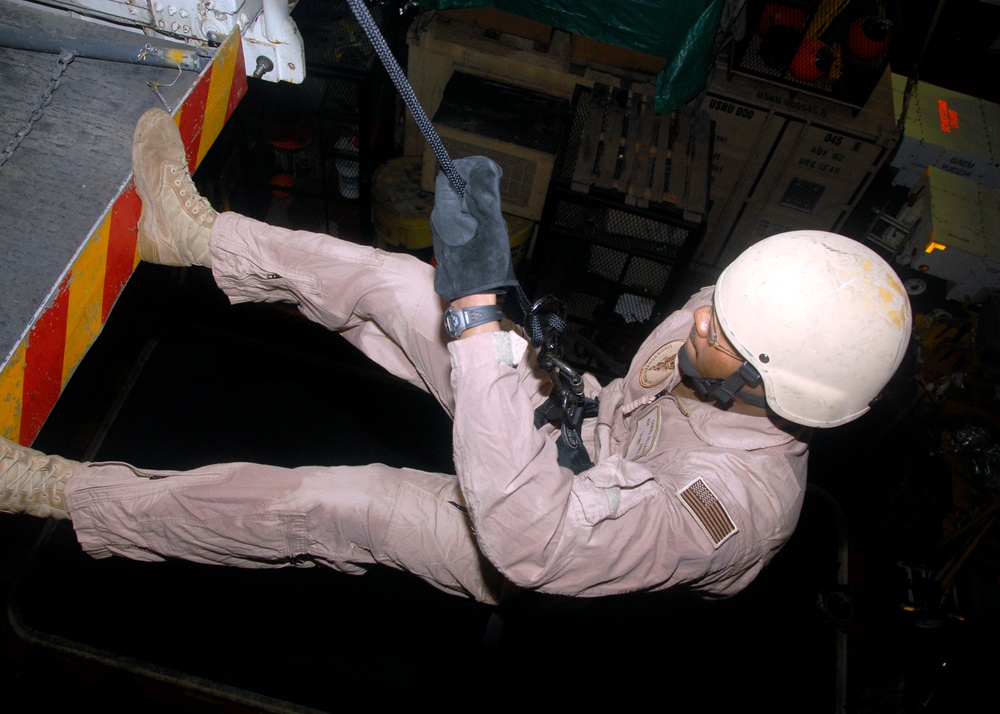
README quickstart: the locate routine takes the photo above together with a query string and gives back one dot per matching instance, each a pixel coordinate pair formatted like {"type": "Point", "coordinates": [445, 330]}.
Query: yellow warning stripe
{"type": "Point", "coordinates": [12, 391]}
{"type": "Point", "coordinates": [84, 320]}
{"type": "Point", "coordinates": [41, 365]}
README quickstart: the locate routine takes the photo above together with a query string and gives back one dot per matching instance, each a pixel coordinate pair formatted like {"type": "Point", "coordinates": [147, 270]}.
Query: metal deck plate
{"type": "Point", "coordinates": [60, 186]}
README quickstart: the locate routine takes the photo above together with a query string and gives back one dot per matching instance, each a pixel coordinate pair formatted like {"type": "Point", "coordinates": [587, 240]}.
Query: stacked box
{"type": "Point", "coordinates": [517, 128]}
{"type": "Point", "coordinates": [498, 21]}
{"type": "Point", "coordinates": [440, 45]}
{"type": "Point", "coordinates": [948, 131]}
{"type": "Point", "coordinates": [586, 50]}
{"type": "Point", "coordinates": [785, 161]}
{"type": "Point", "coordinates": [953, 227]}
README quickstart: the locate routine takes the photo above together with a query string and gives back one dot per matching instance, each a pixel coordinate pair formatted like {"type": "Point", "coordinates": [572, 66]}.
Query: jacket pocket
{"type": "Point", "coordinates": [600, 503]}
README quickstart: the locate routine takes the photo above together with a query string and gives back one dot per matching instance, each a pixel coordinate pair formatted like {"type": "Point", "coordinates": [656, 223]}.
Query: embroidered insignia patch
{"type": "Point", "coordinates": [660, 365]}
{"type": "Point", "coordinates": [708, 510]}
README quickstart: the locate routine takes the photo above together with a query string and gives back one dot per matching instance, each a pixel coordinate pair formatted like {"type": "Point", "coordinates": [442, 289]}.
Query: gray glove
{"type": "Point", "coordinates": [471, 243]}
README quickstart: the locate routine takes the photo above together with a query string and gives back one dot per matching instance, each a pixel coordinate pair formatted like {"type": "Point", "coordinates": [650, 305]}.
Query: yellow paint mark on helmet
{"type": "Point", "coordinates": [895, 284]}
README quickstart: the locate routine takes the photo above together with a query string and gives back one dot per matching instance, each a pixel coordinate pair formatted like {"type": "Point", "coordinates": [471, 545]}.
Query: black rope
{"type": "Point", "coordinates": [538, 324]}
{"type": "Point", "coordinates": [398, 78]}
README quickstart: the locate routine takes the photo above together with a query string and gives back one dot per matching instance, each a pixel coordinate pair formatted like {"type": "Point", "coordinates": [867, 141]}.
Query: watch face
{"type": "Point", "coordinates": [452, 323]}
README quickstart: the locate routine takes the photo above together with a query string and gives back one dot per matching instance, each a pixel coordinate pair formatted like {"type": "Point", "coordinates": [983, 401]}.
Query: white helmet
{"type": "Point", "coordinates": [823, 318]}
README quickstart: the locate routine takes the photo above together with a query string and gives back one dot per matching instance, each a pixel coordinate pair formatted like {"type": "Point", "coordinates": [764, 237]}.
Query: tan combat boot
{"type": "Point", "coordinates": [32, 482]}
{"type": "Point", "coordinates": [176, 222]}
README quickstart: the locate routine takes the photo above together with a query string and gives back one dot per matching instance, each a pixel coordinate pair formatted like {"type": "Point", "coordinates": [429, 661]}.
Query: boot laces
{"type": "Point", "coordinates": [28, 482]}
{"type": "Point", "coordinates": [194, 201]}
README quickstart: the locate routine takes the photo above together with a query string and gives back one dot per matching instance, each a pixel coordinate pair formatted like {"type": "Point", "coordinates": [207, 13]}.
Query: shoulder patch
{"type": "Point", "coordinates": [660, 365]}
{"type": "Point", "coordinates": [708, 510]}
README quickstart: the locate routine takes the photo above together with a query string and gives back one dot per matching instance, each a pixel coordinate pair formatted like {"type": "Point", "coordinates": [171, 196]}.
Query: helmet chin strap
{"type": "Point", "coordinates": [723, 390]}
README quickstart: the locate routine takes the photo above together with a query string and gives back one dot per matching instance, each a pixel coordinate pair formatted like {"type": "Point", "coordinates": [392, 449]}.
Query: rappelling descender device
{"type": "Point", "coordinates": [567, 406]}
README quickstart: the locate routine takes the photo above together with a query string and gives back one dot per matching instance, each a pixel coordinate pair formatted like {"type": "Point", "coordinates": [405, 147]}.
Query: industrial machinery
{"type": "Point", "coordinates": [272, 46]}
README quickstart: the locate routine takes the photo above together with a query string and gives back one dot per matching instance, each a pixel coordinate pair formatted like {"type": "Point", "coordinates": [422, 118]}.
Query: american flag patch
{"type": "Point", "coordinates": [708, 510]}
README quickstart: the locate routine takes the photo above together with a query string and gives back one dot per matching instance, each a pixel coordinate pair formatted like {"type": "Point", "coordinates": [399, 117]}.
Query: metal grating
{"type": "Point", "coordinates": [612, 332]}
{"type": "Point", "coordinates": [333, 36]}
{"type": "Point", "coordinates": [581, 116]}
{"type": "Point", "coordinates": [340, 95]}
{"type": "Point", "coordinates": [837, 50]}
{"type": "Point", "coordinates": [624, 230]}
{"type": "Point", "coordinates": [634, 273]}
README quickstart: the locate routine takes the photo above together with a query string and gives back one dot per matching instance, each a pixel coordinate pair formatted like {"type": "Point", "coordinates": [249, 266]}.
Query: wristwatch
{"type": "Point", "coordinates": [458, 320]}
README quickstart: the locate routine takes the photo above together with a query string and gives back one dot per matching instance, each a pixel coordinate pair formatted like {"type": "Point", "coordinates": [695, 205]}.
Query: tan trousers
{"type": "Point", "coordinates": [258, 516]}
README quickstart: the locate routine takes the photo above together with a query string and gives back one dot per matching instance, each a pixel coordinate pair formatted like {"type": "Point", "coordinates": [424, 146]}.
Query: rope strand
{"type": "Point", "coordinates": [398, 78]}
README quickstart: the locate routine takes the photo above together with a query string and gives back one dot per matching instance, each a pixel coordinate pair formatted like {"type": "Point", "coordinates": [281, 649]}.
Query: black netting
{"type": "Point", "coordinates": [627, 231]}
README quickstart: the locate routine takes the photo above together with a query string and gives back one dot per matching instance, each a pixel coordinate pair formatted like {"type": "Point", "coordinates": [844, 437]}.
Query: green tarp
{"type": "Point", "coordinates": [680, 31]}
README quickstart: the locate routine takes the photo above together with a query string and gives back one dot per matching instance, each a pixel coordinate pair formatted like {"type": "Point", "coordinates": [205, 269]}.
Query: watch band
{"type": "Point", "coordinates": [458, 320]}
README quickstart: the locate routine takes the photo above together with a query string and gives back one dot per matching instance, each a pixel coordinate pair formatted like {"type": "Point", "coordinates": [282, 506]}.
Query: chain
{"type": "Point", "coordinates": [61, 64]}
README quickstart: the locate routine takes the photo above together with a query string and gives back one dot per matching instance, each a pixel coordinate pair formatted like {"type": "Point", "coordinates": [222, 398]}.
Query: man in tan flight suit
{"type": "Point", "coordinates": [699, 453]}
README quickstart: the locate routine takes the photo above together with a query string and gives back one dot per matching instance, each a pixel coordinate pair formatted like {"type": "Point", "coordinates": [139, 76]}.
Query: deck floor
{"type": "Point", "coordinates": [68, 169]}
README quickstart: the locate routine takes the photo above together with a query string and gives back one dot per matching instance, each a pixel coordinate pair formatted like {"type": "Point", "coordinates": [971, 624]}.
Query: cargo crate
{"type": "Point", "coordinates": [439, 45]}
{"type": "Point", "coordinates": [518, 128]}
{"type": "Point", "coordinates": [946, 130]}
{"type": "Point", "coordinates": [783, 158]}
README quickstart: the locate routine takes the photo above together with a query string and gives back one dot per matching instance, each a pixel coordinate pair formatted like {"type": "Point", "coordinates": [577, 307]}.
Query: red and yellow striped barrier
{"type": "Point", "coordinates": [39, 368]}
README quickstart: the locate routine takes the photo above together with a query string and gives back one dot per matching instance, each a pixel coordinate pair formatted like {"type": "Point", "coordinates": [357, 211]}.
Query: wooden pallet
{"type": "Point", "coordinates": [652, 160]}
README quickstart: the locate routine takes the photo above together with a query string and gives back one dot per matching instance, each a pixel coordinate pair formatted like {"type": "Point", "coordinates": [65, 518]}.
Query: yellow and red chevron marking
{"type": "Point", "coordinates": [34, 376]}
